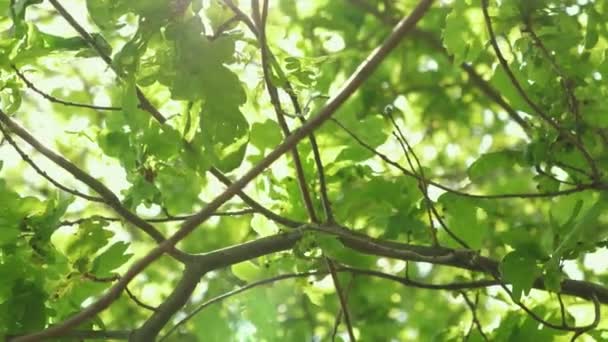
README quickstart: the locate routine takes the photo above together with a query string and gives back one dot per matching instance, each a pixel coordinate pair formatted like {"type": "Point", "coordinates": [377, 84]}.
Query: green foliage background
{"type": "Point", "coordinates": [517, 176]}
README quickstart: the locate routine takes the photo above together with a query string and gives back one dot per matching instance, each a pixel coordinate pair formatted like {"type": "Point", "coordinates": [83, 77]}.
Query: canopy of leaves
{"type": "Point", "coordinates": [315, 180]}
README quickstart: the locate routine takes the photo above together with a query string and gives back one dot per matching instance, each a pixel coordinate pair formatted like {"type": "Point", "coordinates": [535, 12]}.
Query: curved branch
{"type": "Point", "coordinates": [339, 269]}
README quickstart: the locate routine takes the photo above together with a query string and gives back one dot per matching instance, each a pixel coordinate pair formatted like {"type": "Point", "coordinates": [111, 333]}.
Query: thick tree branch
{"type": "Point", "coordinates": [176, 300]}
{"type": "Point", "coordinates": [351, 85]}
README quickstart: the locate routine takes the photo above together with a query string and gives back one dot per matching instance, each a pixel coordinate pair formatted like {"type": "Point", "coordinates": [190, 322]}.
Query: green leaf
{"type": "Point", "coordinates": [134, 117]}
{"type": "Point", "coordinates": [25, 310]}
{"type": "Point", "coordinates": [505, 87]}
{"type": "Point", "coordinates": [225, 134]}
{"type": "Point", "coordinates": [458, 38]}
{"type": "Point", "coordinates": [265, 135]}
{"type": "Point", "coordinates": [10, 96]}
{"type": "Point", "coordinates": [105, 13]}
{"type": "Point", "coordinates": [546, 184]}
{"type": "Point", "coordinates": [247, 271]}
{"type": "Point", "coordinates": [89, 238]}
{"type": "Point", "coordinates": [582, 234]}
{"type": "Point", "coordinates": [110, 259]}
{"type": "Point", "coordinates": [461, 219]}
{"type": "Point", "coordinates": [179, 188]}
{"type": "Point", "coordinates": [263, 226]}
{"type": "Point", "coordinates": [520, 270]}
{"type": "Point", "coordinates": [162, 142]}
{"type": "Point", "coordinates": [216, 322]}
{"type": "Point", "coordinates": [492, 164]}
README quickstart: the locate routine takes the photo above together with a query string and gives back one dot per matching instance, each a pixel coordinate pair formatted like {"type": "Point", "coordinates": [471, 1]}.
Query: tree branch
{"type": "Point", "coordinates": [462, 259]}
{"type": "Point", "coordinates": [234, 292]}
{"type": "Point", "coordinates": [158, 219]}
{"type": "Point", "coordinates": [352, 84]}
{"type": "Point", "coordinates": [89, 335]}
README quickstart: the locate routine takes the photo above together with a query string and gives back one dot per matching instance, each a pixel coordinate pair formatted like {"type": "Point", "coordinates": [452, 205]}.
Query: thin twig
{"type": "Point", "coordinates": [342, 298]}
{"type": "Point", "coordinates": [386, 159]}
{"type": "Point", "coordinates": [223, 27]}
{"type": "Point", "coordinates": [241, 289]}
{"type": "Point", "coordinates": [566, 82]}
{"type": "Point", "coordinates": [156, 219]}
{"type": "Point", "coordinates": [260, 22]}
{"type": "Point", "coordinates": [473, 307]}
{"type": "Point", "coordinates": [578, 330]}
{"type": "Point", "coordinates": [436, 45]}
{"type": "Point", "coordinates": [51, 98]}
{"type": "Point", "coordinates": [562, 309]}
{"type": "Point", "coordinates": [422, 182]}
{"type": "Point", "coordinates": [41, 172]}
{"type": "Point", "coordinates": [276, 103]}
{"type": "Point", "coordinates": [113, 278]}
{"type": "Point", "coordinates": [138, 301]}
{"type": "Point", "coordinates": [340, 312]}
{"type": "Point", "coordinates": [594, 324]}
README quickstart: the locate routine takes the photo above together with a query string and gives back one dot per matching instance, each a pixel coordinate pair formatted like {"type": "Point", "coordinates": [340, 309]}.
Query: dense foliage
{"type": "Point", "coordinates": [216, 170]}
